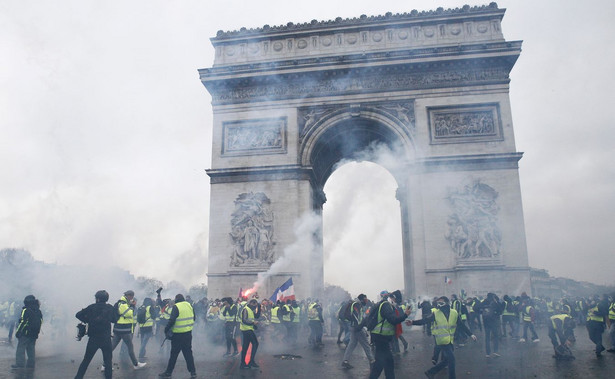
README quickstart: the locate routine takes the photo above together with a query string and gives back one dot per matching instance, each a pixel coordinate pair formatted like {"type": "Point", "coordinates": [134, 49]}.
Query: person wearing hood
{"type": "Point", "coordinates": [491, 309]}
{"type": "Point", "coordinates": [383, 334]}
{"type": "Point", "coordinates": [99, 317]}
{"type": "Point", "coordinates": [445, 321]}
{"type": "Point", "coordinates": [179, 328]}
{"type": "Point", "coordinates": [28, 328]}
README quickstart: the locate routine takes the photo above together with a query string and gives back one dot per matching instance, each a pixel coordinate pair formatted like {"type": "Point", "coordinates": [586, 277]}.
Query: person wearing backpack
{"type": "Point", "coordinates": [491, 309]}
{"type": "Point", "coordinates": [383, 332]}
{"type": "Point", "coordinates": [28, 328]}
{"type": "Point", "coordinates": [357, 333]}
{"type": "Point", "coordinates": [445, 322]}
{"type": "Point", "coordinates": [124, 327]}
{"type": "Point", "coordinates": [99, 317]}
{"type": "Point", "coordinates": [146, 314]}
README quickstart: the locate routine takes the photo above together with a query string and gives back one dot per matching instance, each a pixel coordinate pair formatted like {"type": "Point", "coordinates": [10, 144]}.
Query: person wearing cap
{"type": "Point", "coordinates": [357, 334]}
{"type": "Point", "coordinates": [124, 327]}
{"type": "Point", "coordinates": [445, 321]}
{"type": "Point", "coordinates": [383, 334]}
{"type": "Point", "coordinates": [99, 317]}
{"type": "Point", "coordinates": [180, 326]}
{"type": "Point", "coordinates": [28, 328]}
{"type": "Point", "coordinates": [249, 314]}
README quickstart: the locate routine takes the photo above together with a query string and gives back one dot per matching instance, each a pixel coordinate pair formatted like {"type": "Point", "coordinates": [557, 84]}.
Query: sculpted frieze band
{"type": "Point", "coordinates": [359, 83]}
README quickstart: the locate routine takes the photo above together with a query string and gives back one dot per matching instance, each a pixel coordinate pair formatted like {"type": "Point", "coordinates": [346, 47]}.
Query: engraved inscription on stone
{"type": "Point", "coordinates": [262, 136]}
{"type": "Point", "coordinates": [465, 124]}
{"type": "Point", "coordinates": [472, 229]}
{"type": "Point", "coordinates": [252, 231]}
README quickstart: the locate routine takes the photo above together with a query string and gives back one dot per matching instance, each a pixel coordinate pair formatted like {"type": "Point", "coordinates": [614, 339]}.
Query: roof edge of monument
{"type": "Point", "coordinates": [361, 20]}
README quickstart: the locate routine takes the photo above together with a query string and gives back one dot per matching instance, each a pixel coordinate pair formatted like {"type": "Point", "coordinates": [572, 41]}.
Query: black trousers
{"type": "Point", "coordinates": [95, 343]}
{"type": "Point", "coordinates": [595, 330]}
{"type": "Point", "coordinates": [181, 342]}
{"type": "Point", "coordinates": [248, 338]}
{"type": "Point", "coordinates": [229, 333]}
{"type": "Point", "coordinates": [384, 357]}
{"type": "Point", "coordinates": [25, 345]}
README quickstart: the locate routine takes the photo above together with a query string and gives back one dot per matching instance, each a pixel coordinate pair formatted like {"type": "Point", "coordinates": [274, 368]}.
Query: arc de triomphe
{"type": "Point", "coordinates": [291, 101]}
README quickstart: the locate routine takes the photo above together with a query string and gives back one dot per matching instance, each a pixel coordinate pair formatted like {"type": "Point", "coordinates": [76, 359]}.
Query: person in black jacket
{"type": "Point", "coordinates": [27, 332]}
{"type": "Point", "coordinates": [99, 317]}
{"type": "Point", "coordinates": [491, 309]}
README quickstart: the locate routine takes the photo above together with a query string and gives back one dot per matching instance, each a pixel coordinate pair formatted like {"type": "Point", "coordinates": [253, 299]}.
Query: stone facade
{"type": "Point", "coordinates": [292, 101]}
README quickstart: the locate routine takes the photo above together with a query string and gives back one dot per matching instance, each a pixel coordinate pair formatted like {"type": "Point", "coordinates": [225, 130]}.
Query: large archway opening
{"type": "Point", "coordinates": [362, 237]}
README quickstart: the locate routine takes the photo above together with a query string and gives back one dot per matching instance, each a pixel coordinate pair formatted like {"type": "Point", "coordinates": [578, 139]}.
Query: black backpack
{"type": "Point", "coordinates": [142, 314]}
{"type": "Point", "coordinates": [371, 321]}
{"type": "Point", "coordinates": [345, 312]}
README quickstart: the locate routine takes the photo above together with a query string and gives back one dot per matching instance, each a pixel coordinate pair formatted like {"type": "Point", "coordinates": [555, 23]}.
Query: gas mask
{"type": "Point", "coordinates": [440, 304]}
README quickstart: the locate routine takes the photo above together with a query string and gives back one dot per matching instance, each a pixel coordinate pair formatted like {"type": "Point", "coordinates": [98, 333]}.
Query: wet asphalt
{"type": "Point", "coordinates": [59, 357]}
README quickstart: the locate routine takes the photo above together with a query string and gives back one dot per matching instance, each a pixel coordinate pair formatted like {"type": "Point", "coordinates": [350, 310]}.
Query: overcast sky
{"type": "Point", "coordinates": [106, 133]}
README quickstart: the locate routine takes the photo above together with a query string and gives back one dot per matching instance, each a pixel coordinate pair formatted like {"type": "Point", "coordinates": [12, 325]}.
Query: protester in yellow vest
{"type": "Point", "coordinates": [561, 326]}
{"type": "Point", "coordinates": [180, 326]}
{"type": "Point", "coordinates": [124, 327]}
{"type": "Point", "coordinates": [146, 328]}
{"type": "Point", "coordinates": [230, 314]}
{"type": "Point", "coordinates": [383, 334]}
{"type": "Point", "coordinates": [249, 316]}
{"type": "Point", "coordinates": [445, 322]}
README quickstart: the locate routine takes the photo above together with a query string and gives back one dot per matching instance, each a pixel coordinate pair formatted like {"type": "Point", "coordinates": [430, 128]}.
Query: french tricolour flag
{"type": "Point", "coordinates": [448, 280]}
{"type": "Point", "coordinates": [285, 292]}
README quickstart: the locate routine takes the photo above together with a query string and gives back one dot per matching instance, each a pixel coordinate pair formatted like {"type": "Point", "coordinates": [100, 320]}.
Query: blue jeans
{"type": "Point", "coordinates": [145, 336]}
{"type": "Point", "coordinates": [448, 359]}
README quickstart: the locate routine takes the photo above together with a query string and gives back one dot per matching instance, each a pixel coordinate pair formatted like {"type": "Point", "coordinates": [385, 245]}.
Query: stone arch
{"type": "Point", "coordinates": [343, 134]}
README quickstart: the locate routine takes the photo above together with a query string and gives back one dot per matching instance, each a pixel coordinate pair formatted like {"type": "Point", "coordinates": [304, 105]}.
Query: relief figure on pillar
{"type": "Point", "coordinates": [252, 231]}
{"type": "Point", "coordinates": [472, 229]}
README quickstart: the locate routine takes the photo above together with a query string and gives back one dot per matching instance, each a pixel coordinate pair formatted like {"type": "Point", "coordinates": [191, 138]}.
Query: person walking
{"type": "Point", "coordinates": [528, 315]}
{"type": "Point", "coordinates": [147, 313]}
{"type": "Point", "coordinates": [357, 334]}
{"type": "Point", "coordinates": [98, 317]}
{"type": "Point", "coordinates": [27, 331]}
{"type": "Point", "coordinates": [179, 328]}
{"type": "Point", "coordinates": [124, 327]}
{"type": "Point", "coordinates": [383, 334]}
{"type": "Point", "coordinates": [249, 314]}
{"type": "Point", "coordinates": [445, 322]}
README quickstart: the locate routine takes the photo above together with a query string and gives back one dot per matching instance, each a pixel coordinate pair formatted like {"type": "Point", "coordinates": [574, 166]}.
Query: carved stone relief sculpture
{"type": "Point", "coordinates": [472, 229]}
{"type": "Point", "coordinates": [252, 231]}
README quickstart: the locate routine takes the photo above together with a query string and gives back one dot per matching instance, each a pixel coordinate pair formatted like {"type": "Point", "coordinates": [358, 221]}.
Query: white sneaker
{"type": "Point", "coordinates": [496, 355]}
{"type": "Point", "coordinates": [521, 339]}
{"type": "Point", "coordinates": [102, 368]}
{"type": "Point", "coordinates": [535, 340]}
{"type": "Point", "coordinates": [140, 365]}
